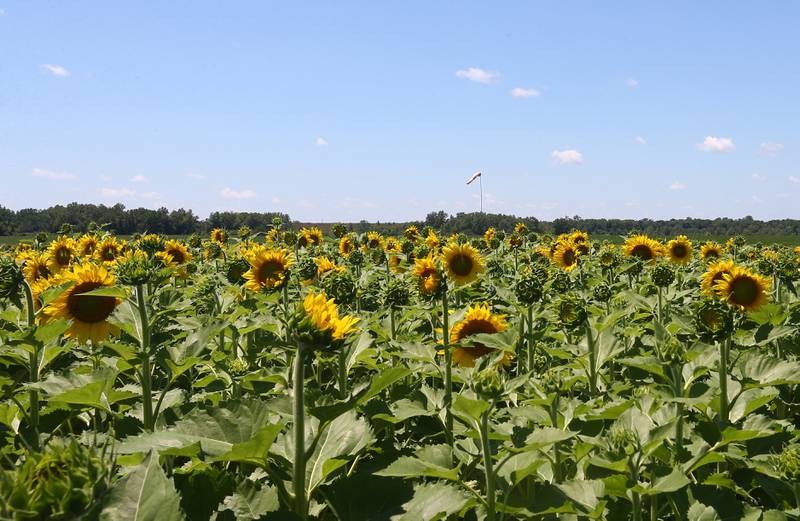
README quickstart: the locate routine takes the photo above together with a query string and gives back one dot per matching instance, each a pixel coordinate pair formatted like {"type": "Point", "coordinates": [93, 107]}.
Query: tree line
{"type": "Point", "coordinates": [123, 221]}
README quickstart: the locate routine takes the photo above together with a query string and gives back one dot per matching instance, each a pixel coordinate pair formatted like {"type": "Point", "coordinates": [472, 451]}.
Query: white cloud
{"type": "Point", "coordinates": [54, 176]}
{"type": "Point", "coordinates": [520, 92]}
{"type": "Point", "coordinates": [477, 74]}
{"type": "Point", "coordinates": [717, 144]}
{"type": "Point", "coordinates": [138, 179]}
{"type": "Point", "coordinates": [199, 177]}
{"type": "Point", "coordinates": [152, 195]}
{"type": "Point", "coordinates": [104, 177]}
{"type": "Point", "coordinates": [794, 179]}
{"type": "Point", "coordinates": [321, 142]}
{"type": "Point", "coordinates": [759, 177]}
{"type": "Point", "coordinates": [117, 192]}
{"type": "Point", "coordinates": [566, 157]}
{"type": "Point", "coordinates": [276, 200]}
{"type": "Point", "coordinates": [677, 186]}
{"type": "Point", "coordinates": [229, 193]}
{"type": "Point", "coordinates": [771, 149]}
{"type": "Point", "coordinates": [632, 83]}
{"type": "Point", "coordinates": [55, 70]}
{"type": "Point", "coordinates": [2, 12]}
{"type": "Point", "coordinates": [757, 199]}
{"type": "Point", "coordinates": [640, 140]}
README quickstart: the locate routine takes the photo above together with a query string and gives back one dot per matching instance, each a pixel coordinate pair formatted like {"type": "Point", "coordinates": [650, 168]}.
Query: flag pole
{"type": "Point", "coordinates": [480, 180]}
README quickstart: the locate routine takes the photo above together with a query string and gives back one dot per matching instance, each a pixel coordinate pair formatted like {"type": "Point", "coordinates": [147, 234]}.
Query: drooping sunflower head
{"type": "Point", "coordinates": [269, 269]}
{"type": "Point", "coordinates": [180, 254]}
{"type": "Point", "coordinates": [411, 233]}
{"type": "Point", "coordinates": [713, 320]}
{"type": "Point", "coordinates": [88, 313]}
{"type": "Point", "coordinates": [346, 246]}
{"type": "Point", "coordinates": [429, 277]}
{"type": "Point", "coordinates": [86, 245]}
{"type": "Point", "coordinates": [643, 247]}
{"type": "Point", "coordinates": [462, 262]}
{"type": "Point", "coordinates": [710, 251]}
{"type": "Point", "coordinates": [713, 275]}
{"type": "Point", "coordinates": [679, 250]}
{"type": "Point", "coordinates": [108, 250]}
{"type": "Point", "coordinates": [61, 254]}
{"type": "Point", "coordinates": [744, 289]}
{"type": "Point", "coordinates": [321, 324]}
{"type": "Point", "coordinates": [566, 255]}
{"type": "Point", "coordinates": [478, 319]}
{"type": "Point", "coordinates": [219, 236]}
{"type": "Point", "coordinates": [374, 240]}
{"type": "Point", "coordinates": [432, 240]}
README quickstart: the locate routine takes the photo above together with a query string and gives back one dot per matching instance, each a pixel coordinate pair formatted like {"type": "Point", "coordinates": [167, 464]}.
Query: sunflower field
{"type": "Point", "coordinates": [290, 375]}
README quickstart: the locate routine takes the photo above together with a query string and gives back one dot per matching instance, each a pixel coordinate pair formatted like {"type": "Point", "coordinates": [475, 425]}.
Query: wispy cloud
{"type": "Point", "coordinates": [794, 179]}
{"type": "Point", "coordinates": [477, 74]}
{"type": "Point", "coordinates": [276, 200]}
{"type": "Point", "coordinates": [152, 195]}
{"type": "Point", "coordinates": [229, 193]}
{"type": "Point", "coordinates": [771, 149]}
{"type": "Point", "coordinates": [117, 193]}
{"type": "Point", "coordinates": [566, 157]}
{"type": "Point", "coordinates": [138, 179]}
{"type": "Point", "coordinates": [55, 70]}
{"type": "Point", "coordinates": [321, 142]}
{"type": "Point", "coordinates": [640, 140]}
{"type": "Point", "coordinates": [632, 83]}
{"type": "Point", "coordinates": [759, 177]}
{"type": "Point", "coordinates": [2, 12]}
{"type": "Point", "coordinates": [717, 144]}
{"type": "Point", "coordinates": [521, 92]}
{"type": "Point", "coordinates": [52, 175]}
{"type": "Point", "coordinates": [677, 186]}
{"type": "Point", "coordinates": [198, 177]}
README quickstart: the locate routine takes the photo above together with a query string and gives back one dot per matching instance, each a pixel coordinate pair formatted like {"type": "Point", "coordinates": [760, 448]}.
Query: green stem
{"type": "Point", "coordinates": [146, 371]}
{"type": "Point", "coordinates": [488, 465]}
{"type": "Point", "coordinates": [33, 362]}
{"type": "Point", "coordinates": [556, 448]}
{"type": "Point", "coordinates": [530, 338]}
{"type": "Point", "coordinates": [636, 499]}
{"type": "Point", "coordinates": [286, 309]}
{"type": "Point", "coordinates": [448, 369]}
{"type": "Point", "coordinates": [342, 373]}
{"type": "Point", "coordinates": [678, 392]}
{"type": "Point", "coordinates": [723, 383]}
{"type": "Point", "coordinates": [299, 475]}
{"type": "Point", "coordinates": [796, 490]}
{"type": "Point", "coordinates": [392, 330]}
{"type": "Point", "coordinates": [590, 340]}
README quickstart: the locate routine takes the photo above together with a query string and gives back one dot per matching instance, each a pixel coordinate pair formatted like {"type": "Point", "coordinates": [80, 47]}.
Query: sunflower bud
{"type": "Point", "coordinates": [135, 269]}
{"type": "Point", "coordinates": [151, 243]}
{"type": "Point", "coordinates": [244, 231]}
{"type": "Point", "coordinates": [213, 250]}
{"type": "Point", "coordinates": [289, 238]}
{"type": "Point", "coordinates": [238, 367]}
{"type": "Point", "coordinates": [341, 286]}
{"type": "Point", "coordinates": [529, 288]}
{"type": "Point", "coordinates": [551, 380]}
{"type": "Point", "coordinates": [369, 298]}
{"type": "Point", "coordinates": [608, 258]}
{"type": "Point", "coordinates": [602, 292]}
{"type": "Point", "coordinates": [204, 297]}
{"type": "Point", "coordinates": [489, 384]}
{"type": "Point", "coordinates": [713, 320]}
{"type": "Point", "coordinates": [663, 275]}
{"type": "Point", "coordinates": [356, 258]}
{"type": "Point", "coordinates": [378, 256]}
{"type": "Point", "coordinates": [194, 240]}
{"type": "Point", "coordinates": [66, 229]}
{"type": "Point", "coordinates": [306, 268]}
{"type": "Point", "coordinates": [560, 282]}
{"type": "Point", "coordinates": [622, 442]}
{"type": "Point", "coordinates": [339, 230]}
{"type": "Point", "coordinates": [235, 270]}
{"type": "Point", "coordinates": [11, 279]}
{"type": "Point", "coordinates": [407, 247]}
{"type": "Point", "coordinates": [422, 251]}
{"type": "Point", "coordinates": [571, 311]}
{"type": "Point", "coordinates": [788, 463]}
{"type": "Point", "coordinates": [41, 237]}
{"type": "Point", "coordinates": [396, 294]}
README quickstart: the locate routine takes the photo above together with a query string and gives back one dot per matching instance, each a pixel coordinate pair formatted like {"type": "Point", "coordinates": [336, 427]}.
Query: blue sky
{"type": "Point", "coordinates": [382, 110]}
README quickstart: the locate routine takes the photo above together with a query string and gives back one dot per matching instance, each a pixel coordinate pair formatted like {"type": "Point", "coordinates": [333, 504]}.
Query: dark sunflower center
{"type": "Point", "coordinates": [712, 253]}
{"type": "Point", "coordinates": [679, 251]}
{"type": "Point", "coordinates": [88, 249]}
{"type": "Point", "coordinates": [718, 277]}
{"type": "Point", "coordinates": [461, 264]}
{"type": "Point", "coordinates": [744, 291]}
{"type": "Point", "coordinates": [177, 255]}
{"type": "Point", "coordinates": [89, 308]}
{"type": "Point", "coordinates": [42, 272]}
{"type": "Point", "coordinates": [642, 251]}
{"type": "Point", "coordinates": [63, 255]}
{"type": "Point", "coordinates": [270, 270]}
{"type": "Point", "coordinates": [109, 253]}
{"type": "Point", "coordinates": [568, 257]}
{"type": "Point", "coordinates": [711, 319]}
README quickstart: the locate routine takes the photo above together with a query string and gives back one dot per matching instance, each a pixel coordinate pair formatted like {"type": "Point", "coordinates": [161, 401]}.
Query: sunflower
{"type": "Point", "coordinates": [272, 235]}
{"type": "Point", "coordinates": [411, 233]}
{"type": "Point", "coordinates": [710, 251]}
{"type": "Point", "coordinates": [346, 246]}
{"type": "Point", "coordinates": [520, 229]}
{"type": "Point", "coordinates": [312, 236]}
{"type": "Point", "coordinates": [108, 250]}
{"type": "Point", "coordinates": [679, 250]}
{"type": "Point", "coordinates": [579, 237]}
{"type": "Point", "coordinates": [391, 245]}
{"type": "Point", "coordinates": [268, 268]}
{"type": "Point", "coordinates": [60, 254]}
{"type": "Point", "coordinates": [36, 271]}
{"type": "Point", "coordinates": [178, 251]}
{"type": "Point", "coordinates": [374, 240]}
{"type": "Point", "coordinates": [219, 235]}
{"type": "Point", "coordinates": [432, 240]}
{"type": "Point", "coordinates": [743, 288]}
{"type": "Point", "coordinates": [489, 234]}
{"type": "Point", "coordinates": [324, 265]}
{"type": "Point", "coordinates": [88, 313]}
{"type": "Point", "coordinates": [797, 250]}
{"type": "Point", "coordinates": [86, 245]}
{"type": "Point", "coordinates": [566, 255]}
{"type": "Point", "coordinates": [714, 274]}
{"type": "Point", "coordinates": [643, 247]}
{"type": "Point", "coordinates": [428, 275]}
{"type": "Point", "coordinates": [462, 262]}
{"type": "Point", "coordinates": [324, 314]}
{"type": "Point", "coordinates": [478, 319]}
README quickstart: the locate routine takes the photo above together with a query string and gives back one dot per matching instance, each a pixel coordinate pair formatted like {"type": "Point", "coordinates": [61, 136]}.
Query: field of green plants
{"type": "Point", "coordinates": [287, 375]}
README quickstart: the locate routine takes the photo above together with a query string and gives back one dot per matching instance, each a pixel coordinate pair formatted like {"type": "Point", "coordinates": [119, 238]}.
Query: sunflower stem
{"type": "Point", "coordinates": [342, 373]}
{"type": "Point", "coordinates": [590, 340]}
{"type": "Point", "coordinates": [488, 465]}
{"type": "Point", "coordinates": [530, 338]}
{"type": "Point", "coordinates": [146, 371]}
{"type": "Point", "coordinates": [448, 369]}
{"type": "Point", "coordinates": [723, 383]}
{"type": "Point", "coordinates": [556, 448]}
{"type": "Point", "coordinates": [33, 362]}
{"type": "Point", "coordinates": [299, 474]}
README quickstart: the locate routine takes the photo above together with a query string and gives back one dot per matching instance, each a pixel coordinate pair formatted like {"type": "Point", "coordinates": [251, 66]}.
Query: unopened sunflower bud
{"type": "Point", "coordinates": [341, 287]}
{"type": "Point", "coordinates": [135, 269]}
{"type": "Point", "coordinates": [356, 258]}
{"type": "Point", "coordinates": [238, 367]}
{"type": "Point", "coordinates": [560, 282]}
{"type": "Point", "coordinates": [571, 311]}
{"type": "Point", "coordinates": [788, 463]}
{"type": "Point", "coordinates": [194, 240]}
{"type": "Point", "coordinates": [407, 247]}
{"type": "Point", "coordinates": [489, 384]}
{"type": "Point", "coordinates": [622, 441]}
{"type": "Point", "coordinates": [713, 320]}
{"type": "Point", "coordinates": [551, 380]}
{"type": "Point", "coordinates": [494, 268]}
{"type": "Point", "coordinates": [529, 288]}
{"type": "Point", "coordinates": [602, 292]}
{"type": "Point", "coordinates": [11, 279]}
{"type": "Point", "coordinates": [244, 231]}
{"type": "Point", "coordinates": [397, 294]}
{"type": "Point", "coordinates": [663, 275]}
{"type": "Point", "coordinates": [289, 238]}
{"type": "Point", "coordinates": [306, 268]}
{"type": "Point", "coordinates": [235, 270]}
{"type": "Point", "coordinates": [378, 256]}
{"type": "Point", "coordinates": [339, 230]}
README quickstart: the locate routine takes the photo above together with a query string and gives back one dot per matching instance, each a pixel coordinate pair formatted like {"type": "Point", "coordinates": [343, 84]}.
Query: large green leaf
{"type": "Point", "coordinates": [433, 501]}
{"type": "Point", "coordinates": [251, 502]}
{"type": "Point", "coordinates": [768, 370]}
{"type": "Point", "coordinates": [434, 461]}
{"type": "Point", "coordinates": [145, 494]}
{"type": "Point", "coordinates": [344, 437]}
{"type": "Point", "coordinates": [673, 481]}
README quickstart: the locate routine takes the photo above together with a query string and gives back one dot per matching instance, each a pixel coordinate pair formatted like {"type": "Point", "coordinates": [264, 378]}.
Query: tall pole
{"type": "Point", "coordinates": [480, 180]}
